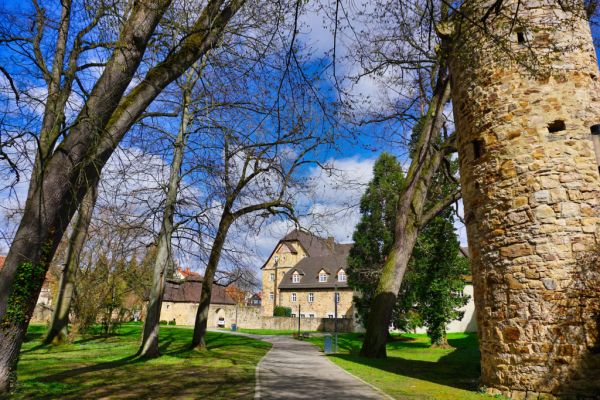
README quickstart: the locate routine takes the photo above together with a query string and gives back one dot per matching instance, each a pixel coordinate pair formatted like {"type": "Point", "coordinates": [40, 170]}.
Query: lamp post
{"type": "Point", "coordinates": [275, 265]}
{"type": "Point", "coordinates": [335, 330]}
{"type": "Point", "coordinates": [299, 337]}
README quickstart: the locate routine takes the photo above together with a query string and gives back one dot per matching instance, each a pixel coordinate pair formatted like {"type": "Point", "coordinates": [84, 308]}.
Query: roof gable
{"type": "Point", "coordinates": [313, 246]}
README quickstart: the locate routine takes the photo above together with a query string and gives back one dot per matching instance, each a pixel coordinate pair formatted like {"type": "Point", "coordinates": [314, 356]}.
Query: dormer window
{"type": "Point", "coordinates": [296, 277]}
{"type": "Point", "coordinates": [341, 276]}
{"type": "Point", "coordinates": [275, 258]}
{"type": "Point", "coordinates": [322, 276]}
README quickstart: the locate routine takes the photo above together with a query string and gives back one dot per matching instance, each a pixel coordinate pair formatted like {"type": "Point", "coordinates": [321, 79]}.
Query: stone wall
{"type": "Point", "coordinates": [185, 313]}
{"type": "Point", "coordinates": [524, 97]}
{"type": "Point", "coordinates": [306, 324]}
{"type": "Point", "coordinates": [41, 314]}
{"type": "Point", "coordinates": [250, 317]}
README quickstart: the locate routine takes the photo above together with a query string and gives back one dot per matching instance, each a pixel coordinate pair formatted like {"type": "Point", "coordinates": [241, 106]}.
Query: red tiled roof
{"type": "Point", "coordinates": [2, 258]}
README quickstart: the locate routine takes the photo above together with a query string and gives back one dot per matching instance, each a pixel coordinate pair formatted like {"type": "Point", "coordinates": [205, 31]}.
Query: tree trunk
{"type": "Point", "coordinates": [440, 338]}
{"type": "Point", "coordinates": [201, 322]}
{"type": "Point", "coordinates": [149, 345]}
{"type": "Point", "coordinates": [57, 332]}
{"type": "Point", "coordinates": [423, 167]}
{"type": "Point", "coordinates": [58, 187]}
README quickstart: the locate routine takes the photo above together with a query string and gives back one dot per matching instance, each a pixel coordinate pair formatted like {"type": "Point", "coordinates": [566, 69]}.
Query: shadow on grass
{"type": "Point", "coordinates": [225, 370]}
{"type": "Point", "coordinates": [459, 369]}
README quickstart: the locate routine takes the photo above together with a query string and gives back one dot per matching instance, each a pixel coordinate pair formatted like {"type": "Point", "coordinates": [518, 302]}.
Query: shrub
{"type": "Point", "coordinates": [281, 311]}
{"type": "Point", "coordinates": [173, 322]}
{"type": "Point", "coordinates": [163, 322]}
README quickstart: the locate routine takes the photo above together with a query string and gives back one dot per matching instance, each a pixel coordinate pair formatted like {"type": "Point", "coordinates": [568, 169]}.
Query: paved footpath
{"type": "Point", "coordinates": [293, 369]}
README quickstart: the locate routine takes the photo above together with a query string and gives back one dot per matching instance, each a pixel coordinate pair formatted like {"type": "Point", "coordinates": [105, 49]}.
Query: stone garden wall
{"type": "Point", "coordinates": [250, 317]}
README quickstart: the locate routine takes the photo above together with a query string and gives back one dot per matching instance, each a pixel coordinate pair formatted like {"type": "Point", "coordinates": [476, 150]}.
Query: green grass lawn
{"type": "Point", "coordinates": [106, 367]}
{"type": "Point", "coordinates": [414, 370]}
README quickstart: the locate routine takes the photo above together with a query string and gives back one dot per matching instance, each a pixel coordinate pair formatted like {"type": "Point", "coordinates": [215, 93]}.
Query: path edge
{"type": "Point", "coordinates": [257, 371]}
{"type": "Point", "coordinates": [384, 394]}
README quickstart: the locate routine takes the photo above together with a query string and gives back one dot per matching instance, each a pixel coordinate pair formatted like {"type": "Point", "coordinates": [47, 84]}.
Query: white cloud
{"type": "Point", "coordinates": [330, 210]}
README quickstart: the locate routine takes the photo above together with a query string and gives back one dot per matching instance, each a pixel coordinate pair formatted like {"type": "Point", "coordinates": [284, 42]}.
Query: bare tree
{"type": "Point", "coordinates": [258, 177]}
{"type": "Point", "coordinates": [399, 51]}
{"type": "Point", "coordinates": [69, 160]}
{"type": "Point", "coordinates": [57, 331]}
{"type": "Point", "coordinates": [149, 345]}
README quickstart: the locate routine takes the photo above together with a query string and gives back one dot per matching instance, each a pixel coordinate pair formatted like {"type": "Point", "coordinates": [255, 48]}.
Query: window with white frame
{"type": "Point", "coordinates": [296, 277]}
{"type": "Point", "coordinates": [272, 277]}
{"type": "Point", "coordinates": [342, 276]}
{"type": "Point", "coordinates": [271, 297]}
{"type": "Point", "coordinates": [337, 297]}
{"type": "Point", "coordinates": [322, 276]}
{"type": "Point", "coordinates": [293, 297]}
{"type": "Point", "coordinates": [293, 315]}
{"type": "Point", "coordinates": [311, 297]}
{"type": "Point", "coordinates": [311, 315]}
{"type": "Point", "coordinates": [329, 315]}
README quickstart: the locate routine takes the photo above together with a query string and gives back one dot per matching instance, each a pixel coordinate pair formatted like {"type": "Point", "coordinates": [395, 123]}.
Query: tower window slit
{"type": "Point", "coordinates": [478, 148]}
{"type": "Point", "coordinates": [557, 126]}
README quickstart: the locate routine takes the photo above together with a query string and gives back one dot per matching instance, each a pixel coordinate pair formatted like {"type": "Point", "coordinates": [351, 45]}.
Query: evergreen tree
{"type": "Point", "coordinates": [432, 289]}
{"type": "Point", "coordinates": [374, 234]}
{"type": "Point", "coordinates": [436, 280]}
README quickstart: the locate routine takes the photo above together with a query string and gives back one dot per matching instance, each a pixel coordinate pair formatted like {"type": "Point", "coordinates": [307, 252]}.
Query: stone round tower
{"type": "Point", "coordinates": [525, 91]}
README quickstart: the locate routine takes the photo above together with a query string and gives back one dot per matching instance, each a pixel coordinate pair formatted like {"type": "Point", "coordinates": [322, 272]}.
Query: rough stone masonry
{"type": "Point", "coordinates": [525, 94]}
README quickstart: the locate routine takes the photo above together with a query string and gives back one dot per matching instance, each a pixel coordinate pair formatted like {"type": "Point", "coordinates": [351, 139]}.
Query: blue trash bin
{"type": "Point", "coordinates": [328, 345]}
{"type": "Point", "coordinates": [233, 327]}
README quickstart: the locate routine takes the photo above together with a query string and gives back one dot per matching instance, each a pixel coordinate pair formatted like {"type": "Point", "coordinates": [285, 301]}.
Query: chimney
{"type": "Point", "coordinates": [330, 242]}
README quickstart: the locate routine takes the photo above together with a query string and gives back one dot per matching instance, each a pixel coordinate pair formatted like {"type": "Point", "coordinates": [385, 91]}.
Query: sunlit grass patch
{"type": "Point", "coordinates": [413, 369]}
{"type": "Point", "coordinates": [95, 366]}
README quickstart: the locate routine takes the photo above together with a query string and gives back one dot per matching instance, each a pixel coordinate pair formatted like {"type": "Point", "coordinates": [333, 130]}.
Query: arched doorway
{"type": "Point", "coordinates": [220, 318]}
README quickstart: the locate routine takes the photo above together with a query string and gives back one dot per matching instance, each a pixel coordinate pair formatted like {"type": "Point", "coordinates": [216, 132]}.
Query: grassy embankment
{"type": "Point", "coordinates": [414, 370]}
{"type": "Point", "coordinates": [106, 367]}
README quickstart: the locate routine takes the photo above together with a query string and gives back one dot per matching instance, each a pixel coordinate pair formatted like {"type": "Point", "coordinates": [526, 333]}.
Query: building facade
{"type": "Point", "coordinates": [307, 273]}
{"type": "Point", "coordinates": [181, 301]}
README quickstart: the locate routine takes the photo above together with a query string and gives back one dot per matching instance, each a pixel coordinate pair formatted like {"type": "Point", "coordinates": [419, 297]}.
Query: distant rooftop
{"type": "Point", "coordinates": [189, 290]}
